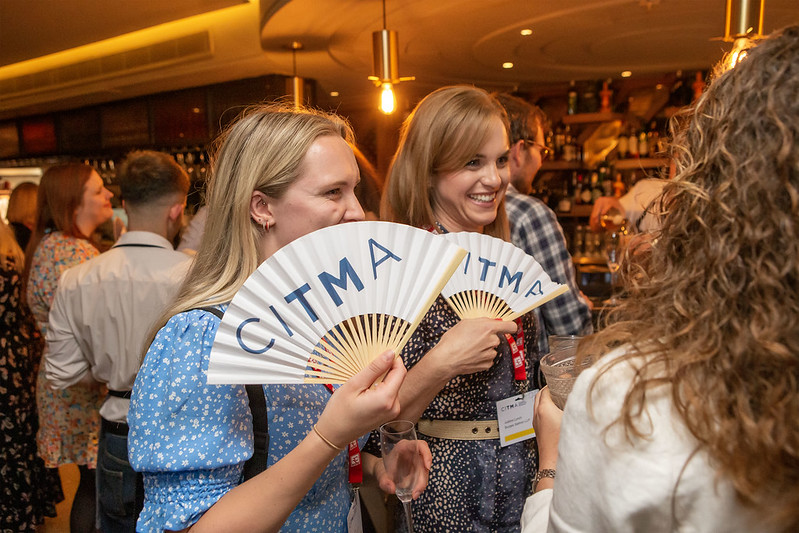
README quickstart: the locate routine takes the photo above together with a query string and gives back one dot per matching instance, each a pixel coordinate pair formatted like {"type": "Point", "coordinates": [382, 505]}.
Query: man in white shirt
{"type": "Point", "coordinates": [103, 312]}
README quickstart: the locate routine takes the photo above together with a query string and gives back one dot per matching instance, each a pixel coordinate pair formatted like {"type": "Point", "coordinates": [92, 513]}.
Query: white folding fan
{"type": "Point", "coordinates": [322, 307]}
{"type": "Point", "coordinates": [496, 279]}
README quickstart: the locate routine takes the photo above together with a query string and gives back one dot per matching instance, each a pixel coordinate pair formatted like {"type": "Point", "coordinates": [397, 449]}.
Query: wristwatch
{"type": "Point", "coordinates": [542, 473]}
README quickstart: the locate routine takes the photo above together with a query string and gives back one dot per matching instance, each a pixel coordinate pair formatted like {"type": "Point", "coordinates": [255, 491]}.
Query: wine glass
{"type": "Point", "coordinates": [613, 222]}
{"type": "Point", "coordinates": [402, 461]}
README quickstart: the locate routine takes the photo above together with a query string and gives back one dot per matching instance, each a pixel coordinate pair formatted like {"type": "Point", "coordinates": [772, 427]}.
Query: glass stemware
{"type": "Point", "coordinates": [402, 461]}
{"type": "Point", "coordinates": [614, 224]}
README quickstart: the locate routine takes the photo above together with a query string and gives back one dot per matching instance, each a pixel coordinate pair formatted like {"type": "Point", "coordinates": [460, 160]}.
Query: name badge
{"type": "Point", "coordinates": [354, 520]}
{"type": "Point", "coordinates": [515, 417]}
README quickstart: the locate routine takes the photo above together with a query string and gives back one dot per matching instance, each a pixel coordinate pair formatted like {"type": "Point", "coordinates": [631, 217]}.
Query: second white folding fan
{"type": "Point", "coordinates": [322, 307]}
{"type": "Point", "coordinates": [496, 279]}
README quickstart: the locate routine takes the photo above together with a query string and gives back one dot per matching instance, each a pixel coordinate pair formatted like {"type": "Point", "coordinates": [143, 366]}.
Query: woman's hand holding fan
{"type": "Point", "coordinates": [363, 403]}
{"type": "Point", "coordinates": [469, 346]}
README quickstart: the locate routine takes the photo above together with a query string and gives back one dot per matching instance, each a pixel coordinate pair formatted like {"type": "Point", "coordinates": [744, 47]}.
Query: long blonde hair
{"type": "Point", "coordinates": [715, 301]}
{"type": "Point", "coordinates": [444, 131]}
{"type": "Point", "coordinates": [10, 253]}
{"type": "Point", "coordinates": [261, 151]}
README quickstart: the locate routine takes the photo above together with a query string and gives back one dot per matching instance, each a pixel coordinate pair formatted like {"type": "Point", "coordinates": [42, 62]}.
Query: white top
{"type": "Point", "coordinates": [605, 483]}
{"type": "Point", "coordinates": [193, 232]}
{"type": "Point", "coordinates": [638, 199]}
{"type": "Point", "coordinates": [104, 309]}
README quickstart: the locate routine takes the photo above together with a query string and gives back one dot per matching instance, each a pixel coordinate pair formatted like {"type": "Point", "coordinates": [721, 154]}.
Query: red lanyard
{"type": "Point", "coordinates": [353, 455]}
{"type": "Point", "coordinates": [517, 352]}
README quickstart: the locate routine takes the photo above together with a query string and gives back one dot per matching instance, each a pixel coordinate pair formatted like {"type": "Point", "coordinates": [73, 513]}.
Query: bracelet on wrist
{"type": "Point", "coordinates": [542, 473]}
{"type": "Point", "coordinates": [326, 441]}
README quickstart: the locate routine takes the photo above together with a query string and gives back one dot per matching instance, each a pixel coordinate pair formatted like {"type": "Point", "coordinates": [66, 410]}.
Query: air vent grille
{"type": "Point", "coordinates": [180, 50]}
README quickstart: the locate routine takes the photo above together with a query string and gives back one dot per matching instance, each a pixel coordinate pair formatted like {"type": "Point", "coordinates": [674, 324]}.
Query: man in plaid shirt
{"type": "Point", "coordinates": [534, 226]}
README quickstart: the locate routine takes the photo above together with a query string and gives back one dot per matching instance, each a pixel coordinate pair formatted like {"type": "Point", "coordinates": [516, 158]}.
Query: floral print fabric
{"type": "Point", "coordinates": [191, 439]}
{"type": "Point", "coordinates": [27, 494]}
{"type": "Point", "coordinates": [69, 419]}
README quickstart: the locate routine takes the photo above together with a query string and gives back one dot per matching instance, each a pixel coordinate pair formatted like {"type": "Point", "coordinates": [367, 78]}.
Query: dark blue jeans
{"type": "Point", "coordinates": [120, 490]}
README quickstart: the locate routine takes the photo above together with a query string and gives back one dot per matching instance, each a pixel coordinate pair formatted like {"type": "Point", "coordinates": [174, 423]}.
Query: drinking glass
{"type": "Point", "coordinates": [560, 370]}
{"type": "Point", "coordinates": [613, 222]}
{"type": "Point", "coordinates": [402, 461]}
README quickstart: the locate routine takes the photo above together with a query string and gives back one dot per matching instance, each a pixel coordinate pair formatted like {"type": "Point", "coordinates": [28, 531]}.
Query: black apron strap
{"type": "Point", "coordinates": [260, 429]}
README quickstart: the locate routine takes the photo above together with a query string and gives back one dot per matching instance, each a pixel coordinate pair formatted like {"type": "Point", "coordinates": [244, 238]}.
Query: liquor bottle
{"type": "Point", "coordinates": [565, 201]}
{"type": "Point", "coordinates": [585, 192]}
{"type": "Point", "coordinates": [560, 140]}
{"type": "Point", "coordinates": [596, 187]}
{"type": "Point", "coordinates": [653, 139]}
{"type": "Point", "coordinates": [643, 144]}
{"type": "Point", "coordinates": [623, 146]}
{"type": "Point", "coordinates": [699, 85]}
{"type": "Point", "coordinates": [605, 97]}
{"type": "Point", "coordinates": [577, 178]}
{"type": "Point", "coordinates": [632, 144]}
{"type": "Point", "coordinates": [569, 146]}
{"type": "Point", "coordinates": [588, 100]}
{"type": "Point", "coordinates": [571, 99]}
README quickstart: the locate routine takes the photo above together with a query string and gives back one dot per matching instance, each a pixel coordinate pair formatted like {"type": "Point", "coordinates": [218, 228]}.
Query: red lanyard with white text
{"type": "Point", "coordinates": [353, 455]}
{"type": "Point", "coordinates": [517, 352]}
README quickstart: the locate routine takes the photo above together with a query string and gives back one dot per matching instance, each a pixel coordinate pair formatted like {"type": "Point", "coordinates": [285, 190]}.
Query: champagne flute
{"type": "Point", "coordinates": [402, 461]}
{"type": "Point", "coordinates": [613, 222]}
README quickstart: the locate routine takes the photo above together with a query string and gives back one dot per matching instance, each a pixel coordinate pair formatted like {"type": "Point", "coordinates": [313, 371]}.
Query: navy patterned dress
{"type": "Point", "coordinates": [474, 485]}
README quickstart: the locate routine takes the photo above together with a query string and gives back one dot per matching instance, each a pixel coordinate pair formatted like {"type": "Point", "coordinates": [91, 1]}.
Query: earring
{"type": "Point", "coordinates": [265, 225]}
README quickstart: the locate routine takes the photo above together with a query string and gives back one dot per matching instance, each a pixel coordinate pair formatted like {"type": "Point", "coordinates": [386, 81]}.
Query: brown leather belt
{"type": "Point", "coordinates": [460, 429]}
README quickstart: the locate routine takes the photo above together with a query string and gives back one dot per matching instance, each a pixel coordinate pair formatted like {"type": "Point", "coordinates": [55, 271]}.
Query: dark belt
{"type": "Point", "coordinates": [119, 393]}
{"type": "Point", "coordinates": [114, 428]}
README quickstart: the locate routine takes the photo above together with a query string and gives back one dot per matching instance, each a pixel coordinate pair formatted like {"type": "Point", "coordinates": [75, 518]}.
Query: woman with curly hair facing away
{"type": "Point", "coordinates": [688, 422]}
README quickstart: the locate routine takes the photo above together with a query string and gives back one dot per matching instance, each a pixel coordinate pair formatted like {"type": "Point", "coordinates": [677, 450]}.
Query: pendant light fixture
{"type": "Point", "coordinates": [385, 49]}
{"type": "Point", "coordinates": [295, 86]}
{"type": "Point", "coordinates": [742, 25]}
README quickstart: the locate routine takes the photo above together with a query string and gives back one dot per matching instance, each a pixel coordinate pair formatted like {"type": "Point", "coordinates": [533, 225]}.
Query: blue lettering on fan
{"type": "Point", "coordinates": [299, 295]}
{"type": "Point", "coordinates": [535, 290]}
{"type": "Point", "coordinates": [466, 262]}
{"type": "Point", "coordinates": [388, 255]}
{"type": "Point", "coordinates": [282, 322]}
{"type": "Point", "coordinates": [517, 277]}
{"type": "Point", "coordinates": [345, 271]}
{"type": "Point", "coordinates": [486, 264]}
{"type": "Point", "coordinates": [244, 346]}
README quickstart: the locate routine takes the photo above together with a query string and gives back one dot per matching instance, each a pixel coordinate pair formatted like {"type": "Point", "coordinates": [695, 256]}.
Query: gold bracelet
{"type": "Point", "coordinates": [326, 441]}
{"type": "Point", "coordinates": [542, 473]}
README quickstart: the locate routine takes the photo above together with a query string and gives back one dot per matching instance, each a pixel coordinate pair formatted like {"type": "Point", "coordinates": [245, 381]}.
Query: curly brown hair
{"type": "Point", "coordinates": [715, 300]}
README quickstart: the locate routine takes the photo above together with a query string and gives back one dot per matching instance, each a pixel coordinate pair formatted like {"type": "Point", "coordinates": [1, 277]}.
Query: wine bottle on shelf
{"type": "Point", "coordinates": [632, 148]}
{"type": "Point", "coordinates": [569, 146]}
{"type": "Point", "coordinates": [606, 97]}
{"type": "Point", "coordinates": [560, 140]}
{"type": "Point", "coordinates": [585, 192]}
{"type": "Point", "coordinates": [623, 146]}
{"type": "Point", "coordinates": [653, 140]}
{"type": "Point", "coordinates": [571, 99]}
{"type": "Point", "coordinates": [565, 201]}
{"type": "Point", "coordinates": [643, 144]}
{"type": "Point", "coordinates": [596, 187]}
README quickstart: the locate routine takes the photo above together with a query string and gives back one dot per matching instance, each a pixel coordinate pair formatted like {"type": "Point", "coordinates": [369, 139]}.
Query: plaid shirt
{"type": "Point", "coordinates": [535, 229]}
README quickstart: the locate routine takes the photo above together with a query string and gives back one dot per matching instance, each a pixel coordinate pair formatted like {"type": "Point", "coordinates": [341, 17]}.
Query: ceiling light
{"type": "Point", "coordinates": [333, 93]}
{"type": "Point", "coordinates": [626, 74]}
{"type": "Point", "coordinates": [385, 49]}
{"type": "Point", "coordinates": [507, 64]}
{"type": "Point", "coordinates": [296, 85]}
{"type": "Point", "coordinates": [526, 32]}
{"type": "Point", "coordinates": [744, 19]}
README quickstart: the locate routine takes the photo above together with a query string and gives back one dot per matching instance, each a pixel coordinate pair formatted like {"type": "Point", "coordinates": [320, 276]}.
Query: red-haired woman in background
{"type": "Point", "coordinates": [72, 202]}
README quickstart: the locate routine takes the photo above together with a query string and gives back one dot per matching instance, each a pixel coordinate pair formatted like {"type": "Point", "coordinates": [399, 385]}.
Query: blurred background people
{"type": "Point", "coordinates": [534, 227]}
{"type": "Point", "coordinates": [104, 309]}
{"type": "Point", "coordinates": [26, 493]}
{"type": "Point", "coordinates": [688, 421]}
{"type": "Point", "coordinates": [72, 202]}
{"type": "Point", "coordinates": [21, 213]}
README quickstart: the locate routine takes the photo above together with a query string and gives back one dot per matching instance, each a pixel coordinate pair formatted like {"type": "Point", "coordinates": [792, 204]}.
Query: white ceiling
{"type": "Point", "coordinates": [441, 42]}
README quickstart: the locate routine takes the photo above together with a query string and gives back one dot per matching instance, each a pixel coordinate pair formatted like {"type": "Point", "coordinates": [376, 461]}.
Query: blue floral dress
{"type": "Point", "coordinates": [191, 439]}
